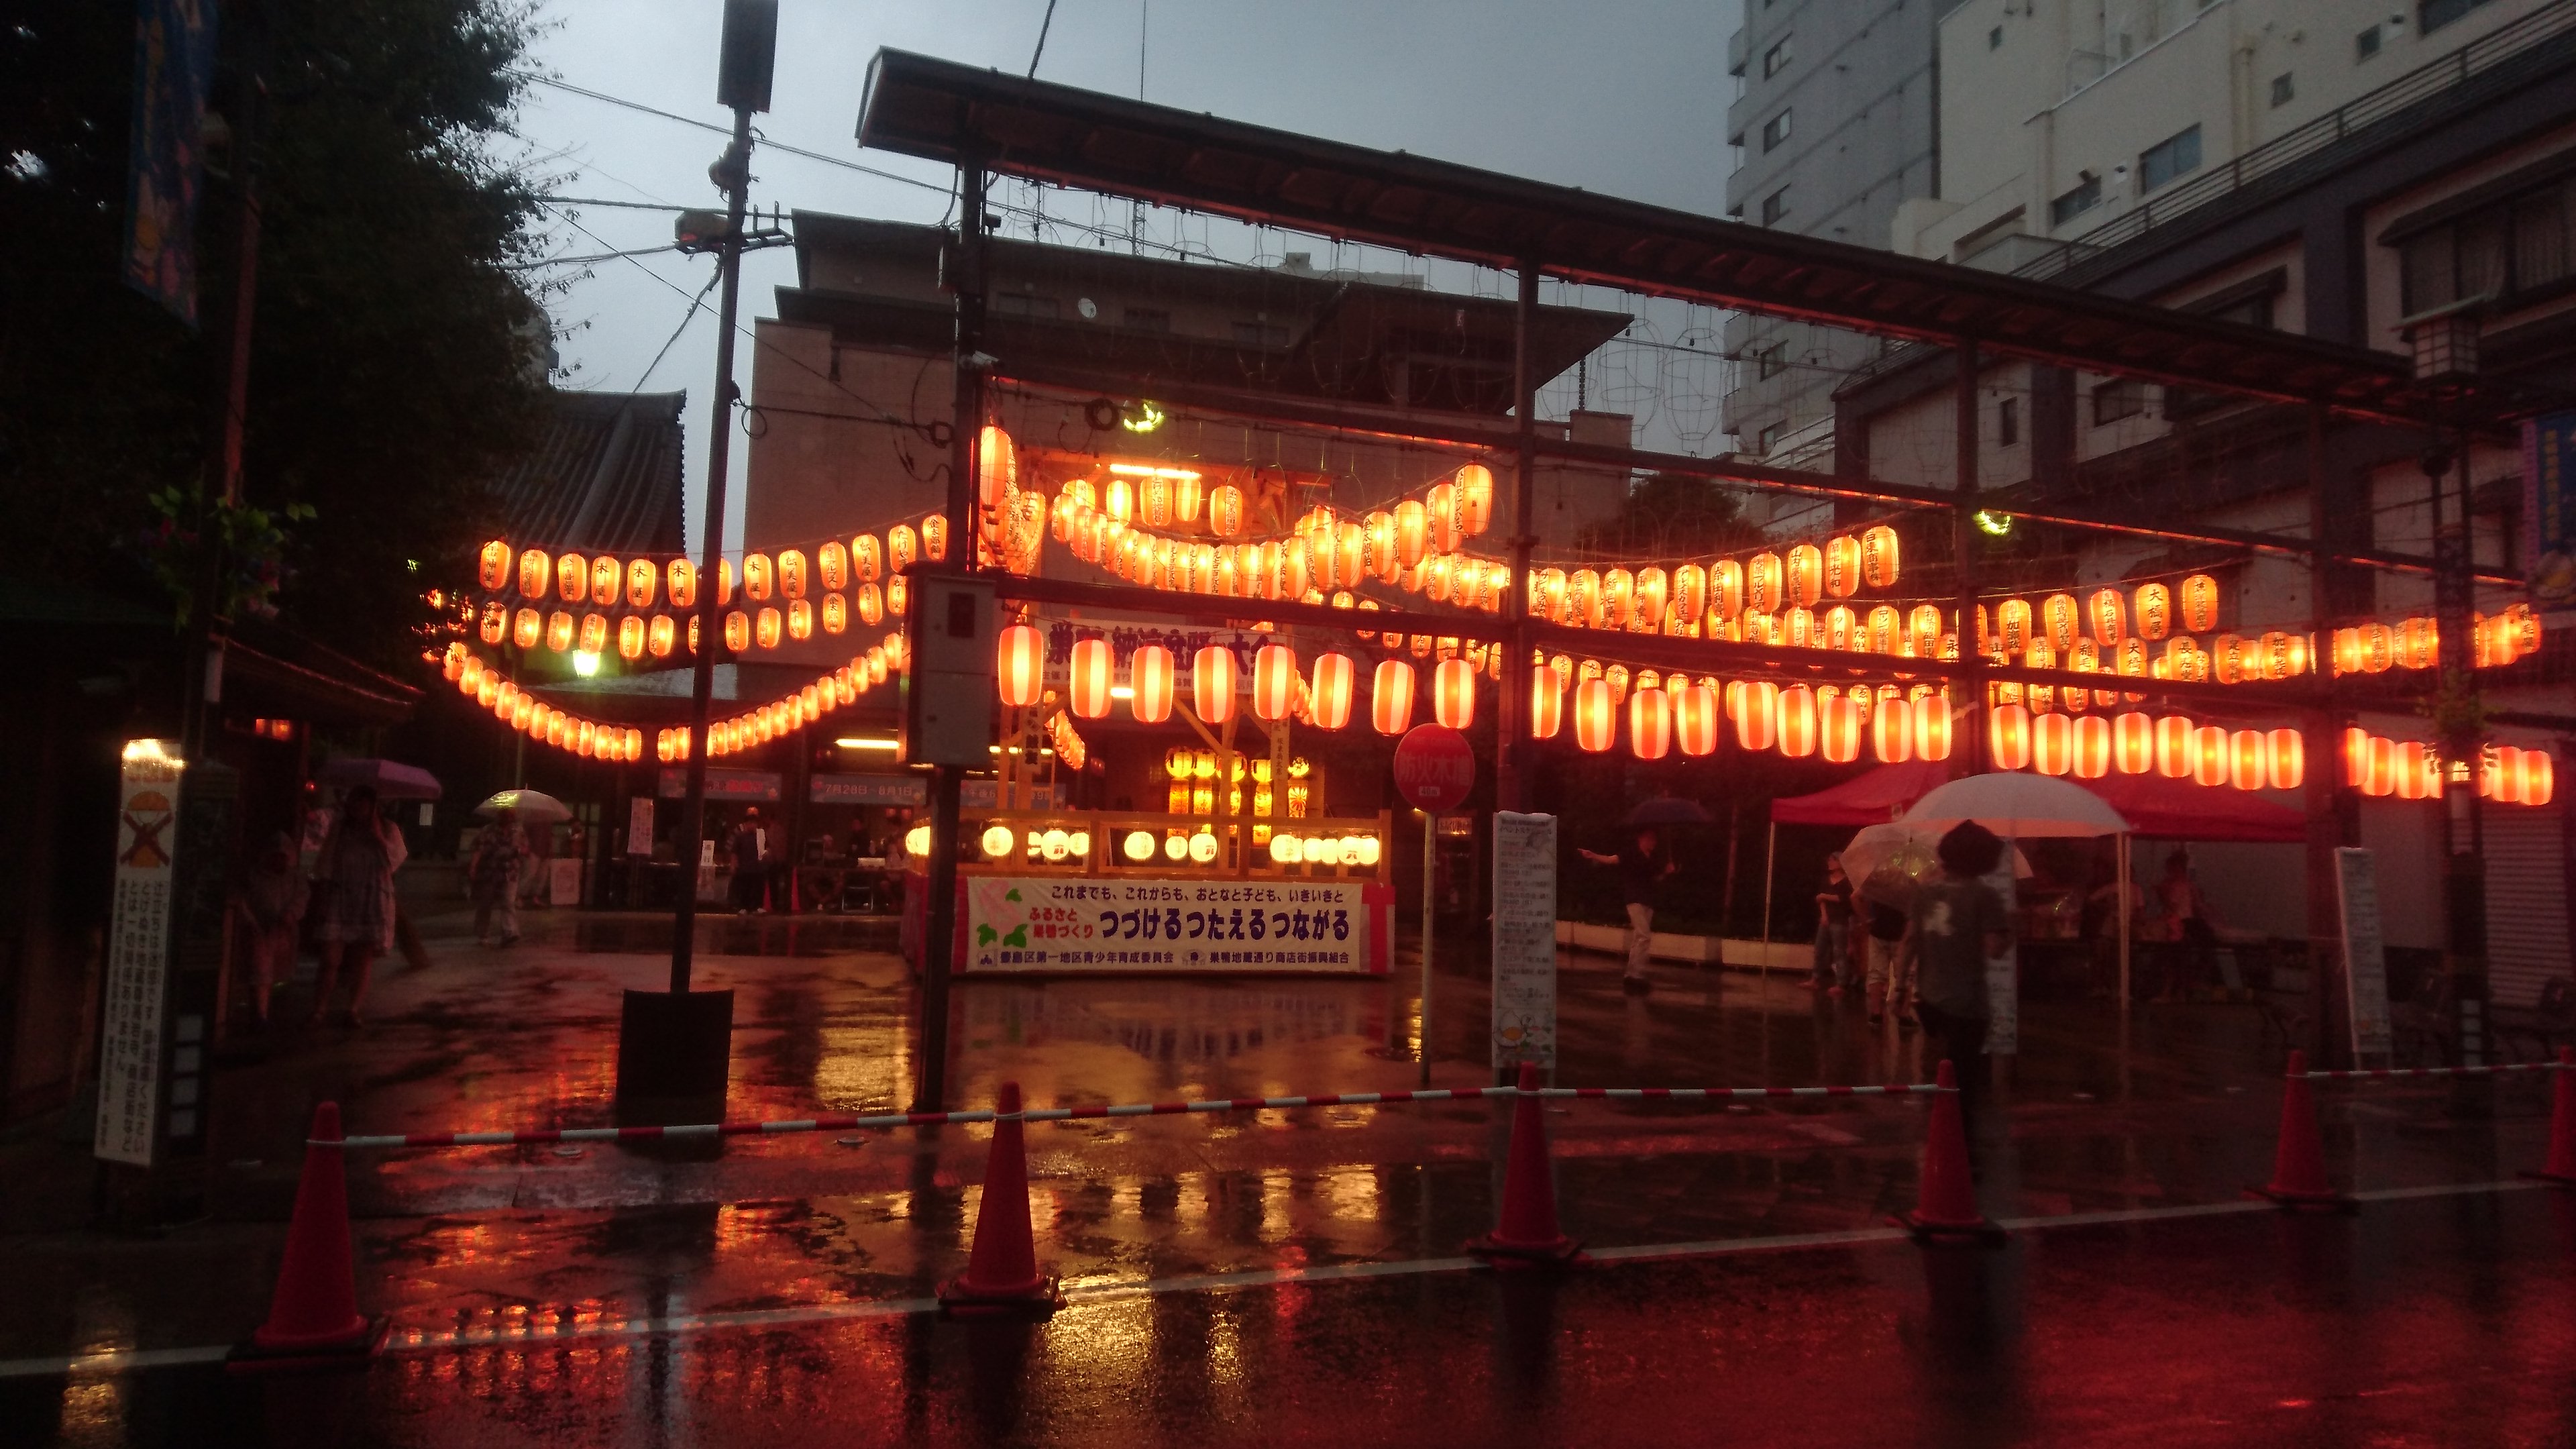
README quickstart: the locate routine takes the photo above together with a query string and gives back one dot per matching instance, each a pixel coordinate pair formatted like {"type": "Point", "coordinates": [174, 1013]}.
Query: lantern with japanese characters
{"type": "Point", "coordinates": [1842, 566]}
{"type": "Point", "coordinates": [1726, 588]}
{"type": "Point", "coordinates": [493, 566]}
{"type": "Point", "coordinates": [1475, 495]}
{"type": "Point", "coordinates": [1652, 593]}
{"type": "Point", "coordinates": [1804, 579]}
{"type": "Point", "coordinates": [2060, 622]}
{"type": "Point", "coordinates": [759, 577]}
{"type": "Point", "coordinates": [1764, 591]}
{"type": "Point", "coordinates": [536, 574]}
{"type": "Point", "coordinates": [2155, 611]}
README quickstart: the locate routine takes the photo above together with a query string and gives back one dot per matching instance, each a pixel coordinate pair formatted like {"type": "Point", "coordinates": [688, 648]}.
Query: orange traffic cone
{"type": "Point", "coordinates": [313, 1319]}
{"type": "Point", "coordinates": [2299, 1162]}
{"type": "Point", "coordinates": [2562, 1126]}
{"type": "Point", "coordinates": [1002, 1274]}
{"type": "Point", "coordinates": [1945, 1205]}
{"type": "Point", "coordinates": [1528, 1232]}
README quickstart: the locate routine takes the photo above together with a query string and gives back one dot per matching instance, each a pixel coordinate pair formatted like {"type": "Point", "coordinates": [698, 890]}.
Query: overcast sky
{"type": "Point", "coordinates": [1626, 97]}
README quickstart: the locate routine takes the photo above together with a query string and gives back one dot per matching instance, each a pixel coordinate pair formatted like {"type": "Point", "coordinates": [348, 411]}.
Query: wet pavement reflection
{"type": "Point", "coordinates": [605, 1295]}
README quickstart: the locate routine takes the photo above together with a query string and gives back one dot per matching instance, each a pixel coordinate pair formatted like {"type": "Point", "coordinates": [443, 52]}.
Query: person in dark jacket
{"type": "Point", "coordinates": [1957, 924]}
{"type": "Point", "coordinates": [1641, 866]}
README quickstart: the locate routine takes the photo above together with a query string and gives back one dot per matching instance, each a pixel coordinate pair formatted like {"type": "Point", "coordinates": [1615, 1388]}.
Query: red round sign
{"type": "Point", "coordinates": [1434, 767]}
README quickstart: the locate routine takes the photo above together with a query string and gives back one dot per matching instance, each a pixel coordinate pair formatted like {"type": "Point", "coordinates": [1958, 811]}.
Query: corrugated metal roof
{"type": "Point", "coordinates": [605, 475]}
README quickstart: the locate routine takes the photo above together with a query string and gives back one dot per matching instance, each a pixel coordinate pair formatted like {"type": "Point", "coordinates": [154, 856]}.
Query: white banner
{"type": "Point", "coordinates": [1089, 923]}
{"type": "Point", "coordinates": [138, 956]}
{"type": "Point", "coordinates": [2365, 957]}
{"type": "Point", "coordinates": [1524, 939]}
{"type": "Point", "coordinates": [2003, 973]}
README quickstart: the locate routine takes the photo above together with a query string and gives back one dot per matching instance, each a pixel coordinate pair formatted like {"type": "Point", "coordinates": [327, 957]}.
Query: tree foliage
{"type": "Point", "coordinates": [1669, 515]}
{"type": "Point", "coordinates": [396, 358]}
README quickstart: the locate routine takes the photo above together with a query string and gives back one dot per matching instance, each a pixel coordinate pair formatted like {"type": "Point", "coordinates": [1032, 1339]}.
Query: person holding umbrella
{"type": "Point", "coordinates": [500, 851]}
{"type": "Point", "coordinates": [1641, 864]}
{"type": "Point", "coordinates": [355, 876]}
{"type": "Point", "coordinates": [1956, 925]}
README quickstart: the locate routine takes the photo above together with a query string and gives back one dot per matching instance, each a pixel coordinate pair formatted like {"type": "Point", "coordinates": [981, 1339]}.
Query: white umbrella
{"type": "Point", "coordinates": [1888, 861]}
{"type": "Point", "coordinates": [2017, 805]}
{"type": "Point", "coordinates": [535, 807]}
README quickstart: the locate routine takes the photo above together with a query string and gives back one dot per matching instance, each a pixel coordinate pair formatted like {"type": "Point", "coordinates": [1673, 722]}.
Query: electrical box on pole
{"type": "Point", "coordinates": [749, 56]}
{"type": "Point", "coordinates": [948, 696]}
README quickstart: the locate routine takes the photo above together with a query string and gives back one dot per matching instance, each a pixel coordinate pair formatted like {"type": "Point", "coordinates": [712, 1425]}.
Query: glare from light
{"type": "Point", "coordinates": [584, 663]}
{"type": "Point", "coordinates": [1286, 849]}
{"type": "Point", "coordinates": [1176, 848]}
{"type": "Point", "coordinates": [1369, 850]}
{"type": "Point", "coordinates": [1055, 845]}
{"type": "Point", "coordinates": [1997, 524]}
{"type": "Point", "coordinates": [862, 744]}
{"type": "Point", "coordinates": [1122, 691]}
{"type": "Point", "coordinates": [997, 841]}
{"type": "Point", "coordinates": [916, 841]}
{"type": "Point", "coordinates": [1202, 848]}
{"type": "Point", "coordinates": [1079, 842]}
{"type": "Point", "coordinates": [1140, 846]}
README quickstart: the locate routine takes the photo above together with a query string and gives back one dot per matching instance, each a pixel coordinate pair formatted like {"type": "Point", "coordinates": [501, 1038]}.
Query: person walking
{"type": "Point", "coordinates": [355, 874]}
{"type": "Point", "coordinates": [270, 908]}
{"type": "Point", "coordinates": [1890, 982]}
{"type": "Point", "coordinates": [743, 849]}
{"type": "Point", "coordinates": [1957, 924]}
{"type": "Point", "coordinates": [1640, 867]}
{"type": "Point", "coordinates": [1833, 930]}
{"type": "Point", "coordinates": [500, 853]}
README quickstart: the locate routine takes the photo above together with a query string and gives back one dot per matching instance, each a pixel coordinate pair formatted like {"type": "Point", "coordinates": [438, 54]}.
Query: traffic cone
{"type": "Point", "coordinates": [2562, 1126]}
{"type": "Point", "coordinates": [1002, 1274]}
{"type": "Point", "coordinates": [1528, 1232]}
{"type": "Point", "coordinates": [2299, 1162]}
{"type": "Point", "coordinates": [313, 1318]}
{"type": "Point", "coordinates": [1945, 1205]}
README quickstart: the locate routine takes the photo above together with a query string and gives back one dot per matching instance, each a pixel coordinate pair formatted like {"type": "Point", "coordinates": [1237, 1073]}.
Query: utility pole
{"type": "Point", "coordinates": [673, 1048]}
{"type": "Point", "coordinates": [1963, 532]}
{"type": "Point", "coordinates": [2463, 750]}
{"type": "Point", "coordinates": [1511, 730]}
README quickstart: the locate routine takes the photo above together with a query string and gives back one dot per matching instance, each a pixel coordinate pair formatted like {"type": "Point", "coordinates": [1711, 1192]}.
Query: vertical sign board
{"type": "Point", "coordinates": [1524, 940]}
{"type": "Point", "coordinates": [2549, 508]}
{"type": "Point", "coordinates": [138, 955]}
{"type": "Point", "coordinates": [2364, 953]}
{"type": "Point", "coordinates": [639, 825]}
{"type": "Point", "coordinates": [2003, 973]}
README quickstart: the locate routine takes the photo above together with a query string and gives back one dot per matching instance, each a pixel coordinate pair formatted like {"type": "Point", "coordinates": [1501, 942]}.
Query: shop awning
{"type": "Point", "coordinates": [2161, 809]}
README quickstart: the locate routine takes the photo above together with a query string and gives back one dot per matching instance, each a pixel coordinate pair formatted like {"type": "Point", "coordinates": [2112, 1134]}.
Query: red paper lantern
{"type": "Point", "coordinates": [1328, 700]}
{"type": "Point", "coordinates": [2177, 747]}
{"type": "Point", "coordinates": [1547, 703]}
{"type": "Point", "coordinates": [2285, 759]}
{"type": "Point", "coordinates": [1695, 723]}
{"type": "Point", "coordinates": [1274, 682]}
{"type": "Point", "coordinates": [1650, 724]}
{"type": "Point", "coordinates": [2539, 777]}
{"type": "Point", "coordinates": [1838, 729]}
{"type": "Point", "coordinates": [1149, 679]}
{"type": "Point", "coordinates": [1391, 698]}
{"type": "Point", "coordinates": [2249, 755]}
{"type": "Point", "coordinates": [1596, 718]}
{"type": "Point", "coordinates": [1797, 721]}
{"type": "Point", "coordinates": [1453, 693]}
{"type": "Point", "coordinates": [2091, 747]}
{"type": "Point", "coordinates": [1212, 674]}
{"type": "Point", "coordinates": [1932, 727]}
{"type": "Point", "coordinates": [2212, 762]}
{"type": "Point", "coordinates": [2414, 770]}
{"type": "Point", "coordinates": [1891, 732]}
{"type": "Point", "coordinates": [2356, 757]}
{"type": "Point", "coordinates": [2008, 737]}
{"type": "Point", "coordinates": [2133, 743]}
{"type": "Point", "coordinates": [1755, 703]}
{"type": "Point", "coordinates": [2052, 744]}
{"type": "Point", "coordinates": [1087, 677]}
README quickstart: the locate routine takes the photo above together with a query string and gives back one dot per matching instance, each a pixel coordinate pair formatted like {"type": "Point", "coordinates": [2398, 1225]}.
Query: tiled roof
{"type": "Point", "coordinates": [605, 475]}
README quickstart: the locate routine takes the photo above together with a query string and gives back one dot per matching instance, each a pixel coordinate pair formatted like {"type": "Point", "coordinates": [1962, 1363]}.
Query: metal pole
{"type": "Point", "coordinates": [1770, 868]}
{"type": "Point", "coordinates": [2326, 1047]}
{"type": "Point", "coordinates": [1428, 896]}
{"type": "Point", "coordinates": [1511, 767]}
{"type": "Point", "coordinates": [1972, 684]}
{"type": "Point", "coordinates": [966, 421]}
{"type": "Point", "coordinates": [735, 168]}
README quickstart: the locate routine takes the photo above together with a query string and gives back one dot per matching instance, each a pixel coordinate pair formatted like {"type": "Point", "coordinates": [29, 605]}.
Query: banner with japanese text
{"type": "Point", "coordinates": [138, 957]}
{"type": "Point", "coordinates": [1087, 923]}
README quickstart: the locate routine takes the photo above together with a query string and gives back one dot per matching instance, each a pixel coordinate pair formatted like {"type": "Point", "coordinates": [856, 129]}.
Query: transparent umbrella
{"type": "Point", "coordinates": [1889, 861]}
{"type": "Point", "coordinates": [535, 807]}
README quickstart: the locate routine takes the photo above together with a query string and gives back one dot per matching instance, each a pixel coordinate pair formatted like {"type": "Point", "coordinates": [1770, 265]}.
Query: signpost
{"type": "Point", "coordinates": [2364, 954]}
{"type": "Point", "coordinates": [1435, 769]}
{"type": "Point", "coordinates": [1524, 942]}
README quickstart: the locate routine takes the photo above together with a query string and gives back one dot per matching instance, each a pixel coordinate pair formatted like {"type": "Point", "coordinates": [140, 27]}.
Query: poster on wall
{"type": "Point", "coordinates": [138, 956]}
{"type": "Point", "coordinates": [2549, 509]}
{"type": "Point", "coordinates": [1524, 939]}
{"type": "Point", "coordinates": [1084, 923]}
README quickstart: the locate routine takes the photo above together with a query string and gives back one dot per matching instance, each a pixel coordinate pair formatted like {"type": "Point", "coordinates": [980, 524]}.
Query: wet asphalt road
{"type": "Point", "coordinates": [2448, 1320]}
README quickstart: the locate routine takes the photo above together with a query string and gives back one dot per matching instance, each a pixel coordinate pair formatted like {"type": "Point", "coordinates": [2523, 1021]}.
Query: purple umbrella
{"type": "Point", "coordinates": [391, 779]}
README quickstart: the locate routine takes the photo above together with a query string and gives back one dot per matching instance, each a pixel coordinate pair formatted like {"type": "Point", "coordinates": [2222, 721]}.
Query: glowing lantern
{"type": "Point", "coordinates": [1154, 503]}
{"type": "Point", "coordinates": [1440, 515]}
{"type": "Point", "coordinates": [1650, 724]}
{"type": "Point", "coordinates": [630, 637]}
{"type": "Point", "coordinates": [1019, 665]}
{"type": "Point", "coordinates": [832, 566]}
{"type": "Point", "coordinates": [496, 622]}
{"type": "Point", "coordinates": [1583, 599]}
{"type": "Point", "coordinates": [1185, 497]}
{"type": "Point", "coordinates": [1726, 588]}
{"type": "Point", "coordinates": [2177, 747]}
{"type": "Point", "coordinates": [1225, 511]}
{"type": "Point", "coordinates": [1475, 498]}
{"type": "Point", "coordinates": [1652, 591]}
{"type": "Point", "coordinates": [2059, 620]}
{"type": "Point", "coordinates": [767, 628]}
{"type": "Point", "coordinates": [1805, 577]}
{"type": "Point", "coordinates": [1801, 628]}
{"type": "Point", "coordinates": [559, 631]}
{"type": "Point", "coordinates": [1391, 698]}
{"type": "Point", "coordinates": [1149, 677]}
{"type": "Point", "coordinates": [1596, 716]}
{"type": "Point", "coordinates": [2539, 777]}
{"type": "Point", "coordinates": [902, 548]}
{"type": "Point", "coordinates": [1212, 673]}
{"type": "Point", "coordinates": [1797, 721]}
{"type": "Point", "coordinates": [997, 466]}
{"type": "Point", "coordinates": [1762, 583]}
{"type": "Point", "coordinates": [536, 574]}
{"type": "Point", "coordinates": [1838, 722]}
{"type": "Point", "coordinates": [2008, 737]}
{"type": "Point", "coordinates": [663, 636]}
{"type": "Point", "coordinates": [1923, 628]}
{"type": "Point", "coordinates": [2284, 759]}
{"type": "Point", "coordinates": [1841, 630]}
{"type": "Point", "coordinates": [2052, 744]}
{"type": "Point", "coordinates": [1891, 733]}
{"type": "Point", "coordinates": [1878, 556]}
{"type": "Point", "coordinates": [1695, 721]}
{"type": "Point", "coordinates": [1274, 682]}
{"type": "Point", "coordinates": [2248, 759]}
{"type": "Point", "coordinates": [2213, 762]}
{"type": "Point", "coordinates": [2089, 745]}
{"type": "Point", "coordinates": [2155, 611]}
{"type": "Point", "coordinates": [871, 604]}
{"type": "Point", "coordinates": [2012, 625]}
{"type": "Point", "coordinates": [1087, 677]}
{"type": "Point", "coordinates": [1755, 704]}
{"type": "Point", "coordinates": [1119, 500]}
{"type": "Point", "coordinates": [898, 593]}
{"type": "Point", "coordinates": [1453, 693]}
{"type": "Point", "coordinates": [1842, 566]}
{"type": "Point", "coordinates": [2199, 604]}
{"type": "Point", "coordinates": [2356, 757]}
{"type": "Point", "coordinates": [2133, 743]}
{"type": "Point", "coordinates": [1618, 598]}
{"type": "Point", "coordinates": [934, 537]}
{"type": "Point", "coordinates": [494, 566]}
{"type": "Point", "coordinates": [1328, 699]}
{"type": "Point", "coordinates": [836, 614]}
{"type": "Point", "coordinates": [680, 583]}
{"type": "Point", "coordinates": [800, 619]}
{"type": "Point", "coordinates": [792, 577]}
{"type": "Point", "coordinates": [759, 577]}
{"type": "Point", "coordinates": [1547, 703]}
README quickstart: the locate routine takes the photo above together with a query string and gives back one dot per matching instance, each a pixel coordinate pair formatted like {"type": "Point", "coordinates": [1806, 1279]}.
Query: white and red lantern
{"type": "Point", "coordinates": [1212, 673]}
{"type": "Point", "coordinates": [1328, 700]}
{"type": "Point", "coordinates": [2133, 743]}
{"type": "Point", "coordinates": [1650, 724]}
{"type": "Point", "coordinates": [1453, 693]}
{"type": "Point", "coordinates": [1391, 698]}
{"type": "Point", "coordinates": [1695, 719]}
{"type": "Point", "coordinates": [1149, 680]}
{"type": "Point", "coordinates": [1019, 665]}
{"type": "Point", "coordinates": [2008, 737]}
{"type": "Point", "coordinates": [1547, 703]}
{"type": "Point", "coordinates": [1087, 676]}
{"type": "Point", "coordinates": [1797, 721]}
{"type": "Point", "coordinates": [1596, 716]}
{"type": "Point", "coordinates": [2177, 747]}
{"type": "Point", "coordinates": [1274, 682]}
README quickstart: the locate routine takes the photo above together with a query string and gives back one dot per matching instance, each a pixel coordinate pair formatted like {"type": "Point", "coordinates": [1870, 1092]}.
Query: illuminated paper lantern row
{"type": "Point", "coordinates": [2409, 770]}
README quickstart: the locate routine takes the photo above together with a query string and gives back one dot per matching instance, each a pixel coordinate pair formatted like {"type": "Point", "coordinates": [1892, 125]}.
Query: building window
{"type": "Point", "coordinates": [2366, 44]}
{"type": "Point", "coordinates": [1775, 206]}
{"type": "Point", "coordinates": [1776, 59]}
{"type": "Point", "coordinates": [1771, 361]}
{"type": "Point", "coordinates": [1147, 319]}
{"type": "Point", "coordinates": [2282, 90]}
{"type": "Point", "coordinates": [1775, 131]}
{"type": "Point", "coordinates": [1995, 38]}
{"type": "Point", "coordinates": [1020, 304]}
{"type": "Point", "coordinates": [2008, 422]}
{"type": "Point", "coordinates": [1269, 335]}
{"type": "Point", "coordinates": [2121, 397]}
{"type": "Point", "coordinates": [2432, 15]}
{"type": "Point", "coordinates": [2175, 155]}
{"type": "Point", "coordinates": [1767, 439]}
{"type": "Point", "coordinates": [2508, 248]}
{"type": "Point", "coordinates": [2072, 204]}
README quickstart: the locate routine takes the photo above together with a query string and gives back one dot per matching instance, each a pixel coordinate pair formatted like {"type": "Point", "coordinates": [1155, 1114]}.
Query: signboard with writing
{"type": "Point", "coordinates": [1524, 939]}
{"type": "Point", "coordinates": [987, 795]}
{"type": "Point", "coordinates": [1434, 767]}
{"type": "Point", "coordinates": [639, 825]}
{"type": "Point", "coordinates": [750, 785]}
{"type": "Point", "coordinates": [138, 956]}
{"type": "Point", "coordinates": [2003, 973]}
{"type": "Point", "coordinates": [2365, 956]}
{"type": "Point", "coordinates": [1084, 923]}
{"type": "Point", "coordinates": [904, 790]}
{"type": "Point", "coordinates": [2549, 507]}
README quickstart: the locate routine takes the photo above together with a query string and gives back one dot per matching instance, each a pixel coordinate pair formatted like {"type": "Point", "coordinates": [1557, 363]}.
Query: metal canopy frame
{"type": "Point", "coordinates": [1041, 131]}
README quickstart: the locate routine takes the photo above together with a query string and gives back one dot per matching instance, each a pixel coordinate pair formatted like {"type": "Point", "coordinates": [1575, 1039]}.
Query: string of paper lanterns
{"type": "Point", "coordinates": [540, 721]}
{"type": "Point", "coordinates": [2411, 770]}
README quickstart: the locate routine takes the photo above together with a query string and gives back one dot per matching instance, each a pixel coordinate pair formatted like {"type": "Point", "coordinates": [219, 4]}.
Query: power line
{"type": "Point", "coordinates": [766, 143]}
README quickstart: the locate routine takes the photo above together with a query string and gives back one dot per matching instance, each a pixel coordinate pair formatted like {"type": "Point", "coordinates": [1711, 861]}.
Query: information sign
{"type": "Point", "coordinates": [1524, 940]}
